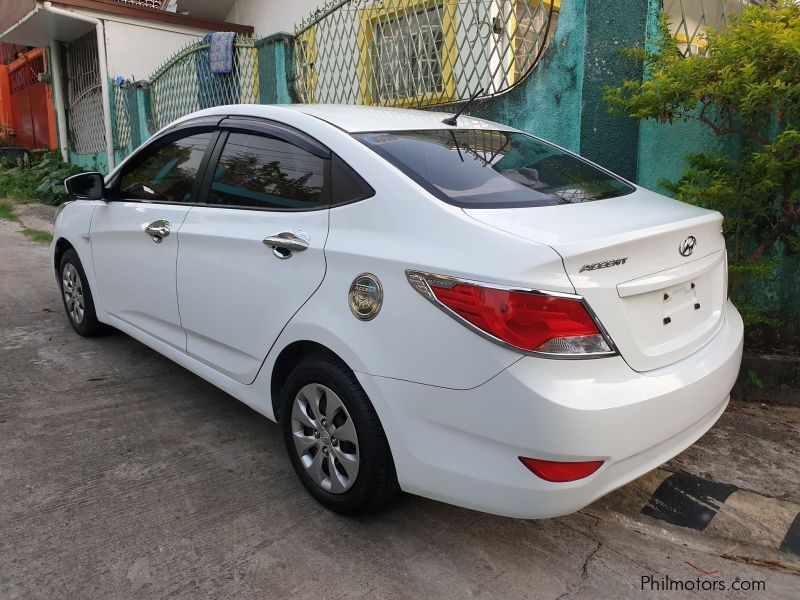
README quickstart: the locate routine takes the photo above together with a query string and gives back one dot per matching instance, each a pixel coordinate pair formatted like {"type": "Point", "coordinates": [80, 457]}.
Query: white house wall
{"type": "Point", "coordinates": [136, 49]}
{"type": "Point", "coordinates": [271, 16]}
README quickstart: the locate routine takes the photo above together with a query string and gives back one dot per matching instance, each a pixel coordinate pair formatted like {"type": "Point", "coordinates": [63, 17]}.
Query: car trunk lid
{"type": "Point", "coordinates": [624, 255]}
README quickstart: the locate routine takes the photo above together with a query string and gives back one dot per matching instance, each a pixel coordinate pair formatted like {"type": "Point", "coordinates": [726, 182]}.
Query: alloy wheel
{"type": "Point", "coordinates": [325, 438]}
{"type": "Point", "coordinates": [72, 288]}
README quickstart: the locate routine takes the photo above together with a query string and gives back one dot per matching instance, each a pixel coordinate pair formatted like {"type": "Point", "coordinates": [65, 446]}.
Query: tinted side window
{"type": "Point", "coordinates": [265, 172]}
{"type": "Point", "coordinates": [346, 185]}
{"type": "Point", "coordinates": [168, 173]}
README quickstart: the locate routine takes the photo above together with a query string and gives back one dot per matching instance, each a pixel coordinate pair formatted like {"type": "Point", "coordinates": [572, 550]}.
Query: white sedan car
{"type": "Point", "coordinates": [462, 311]}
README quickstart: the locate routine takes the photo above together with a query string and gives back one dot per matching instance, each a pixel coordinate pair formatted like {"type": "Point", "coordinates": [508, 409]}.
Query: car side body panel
{"type": "Point", "coordinates": [144, 295]}
{"type": "Point", "coordinates": [235, 295]}
{"type": "Point", "coordinates": [73, 225]}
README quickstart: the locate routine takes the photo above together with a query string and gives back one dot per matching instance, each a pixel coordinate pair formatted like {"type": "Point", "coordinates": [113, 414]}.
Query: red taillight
{"type": "Point", "coordinates": [560, 472]}
{"type": "Point", "coordinates": [529, 321]}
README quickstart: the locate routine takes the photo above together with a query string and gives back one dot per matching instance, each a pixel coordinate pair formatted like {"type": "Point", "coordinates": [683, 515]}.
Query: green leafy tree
{"type": "Point", "coordinates": [746, 87]}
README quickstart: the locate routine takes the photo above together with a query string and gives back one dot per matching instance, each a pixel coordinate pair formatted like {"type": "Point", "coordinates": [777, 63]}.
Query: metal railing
{"type": "Point", "coordinates": [84, 96]}
{"type": "Point", "coordinates": [185, 82]}
{"type": "Point", "coordinates": [415, 53]}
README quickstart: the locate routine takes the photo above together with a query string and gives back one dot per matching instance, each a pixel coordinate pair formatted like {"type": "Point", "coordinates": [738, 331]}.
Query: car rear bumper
{"type": "Point", "coordinates": [462, 446]}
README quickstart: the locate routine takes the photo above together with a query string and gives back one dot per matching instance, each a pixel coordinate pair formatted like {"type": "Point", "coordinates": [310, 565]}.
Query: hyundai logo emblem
{"type": "Point", "coordinates": [687, 246]}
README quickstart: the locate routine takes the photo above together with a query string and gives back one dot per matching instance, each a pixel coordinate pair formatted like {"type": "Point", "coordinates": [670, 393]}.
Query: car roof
{"type": "Point", "coordinates": [354, 118]}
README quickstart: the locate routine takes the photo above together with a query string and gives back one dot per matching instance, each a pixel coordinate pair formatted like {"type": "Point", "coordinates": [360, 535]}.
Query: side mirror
{"type": "Point", "coordinates": [85, 186]}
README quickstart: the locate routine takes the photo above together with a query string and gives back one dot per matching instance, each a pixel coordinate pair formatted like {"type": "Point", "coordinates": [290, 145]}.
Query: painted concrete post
{"type": "Point", "coordinates": [610, 140]}
{"type": "Point", "coordinates": [276, 69]}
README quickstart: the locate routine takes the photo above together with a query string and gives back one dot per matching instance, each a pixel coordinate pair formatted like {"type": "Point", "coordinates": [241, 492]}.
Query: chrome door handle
{"type": "Point", "coordinates": [286, 243]}
{"type": "Point", "coordinates": [157, 230]}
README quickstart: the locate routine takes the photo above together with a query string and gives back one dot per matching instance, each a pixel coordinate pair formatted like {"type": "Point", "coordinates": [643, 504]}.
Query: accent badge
{"type": "Point", "coordinates": [365, 297]}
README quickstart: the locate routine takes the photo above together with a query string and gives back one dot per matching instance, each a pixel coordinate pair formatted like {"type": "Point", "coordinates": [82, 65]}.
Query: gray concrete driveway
{"type": "Point", "coordinates": [122, 475]}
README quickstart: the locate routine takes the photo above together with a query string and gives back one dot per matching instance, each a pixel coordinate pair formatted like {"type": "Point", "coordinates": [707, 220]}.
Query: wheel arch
{"type": "Point", "coordinates": [291, 355]}
{"type": "Point", "coordinates": [61, 245]}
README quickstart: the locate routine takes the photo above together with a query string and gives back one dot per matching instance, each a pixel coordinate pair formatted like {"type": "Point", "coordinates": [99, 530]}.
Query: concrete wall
{"type": "Point", "coordinates": [271, 17]}
{"type": "Point", "coordinates": [135, 49]}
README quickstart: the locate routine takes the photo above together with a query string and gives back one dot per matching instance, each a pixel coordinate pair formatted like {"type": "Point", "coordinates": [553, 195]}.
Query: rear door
{"type": "Point", "coordinates": [134, 234]}
{"type": "Point", "coordinates": [252, 251]}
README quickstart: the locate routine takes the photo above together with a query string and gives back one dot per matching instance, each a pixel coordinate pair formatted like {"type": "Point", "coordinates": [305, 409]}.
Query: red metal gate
{"type": "Point", "coordinates": [31, 101]}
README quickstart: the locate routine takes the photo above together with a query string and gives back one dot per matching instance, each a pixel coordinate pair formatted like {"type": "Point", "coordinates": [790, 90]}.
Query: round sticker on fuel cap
{"type": "Point", "coordinates": [365, 297]}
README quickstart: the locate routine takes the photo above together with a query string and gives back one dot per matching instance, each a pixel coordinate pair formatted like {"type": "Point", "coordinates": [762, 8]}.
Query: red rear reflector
{"type": "Point", "coordinates": [560, 472]}
{"type": "Point", "coordinates": [527, 321]}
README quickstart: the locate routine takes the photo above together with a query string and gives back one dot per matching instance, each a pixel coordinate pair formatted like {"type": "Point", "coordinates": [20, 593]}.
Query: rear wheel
{"type": "Point", "coordinates": [335, 441]}
{"type": "Point", "coordinates": [77, 296]}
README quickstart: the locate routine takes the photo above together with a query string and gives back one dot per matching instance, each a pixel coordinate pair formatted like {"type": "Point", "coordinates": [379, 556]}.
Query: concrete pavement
{"type": "Point", "coordinates": [124, 476]}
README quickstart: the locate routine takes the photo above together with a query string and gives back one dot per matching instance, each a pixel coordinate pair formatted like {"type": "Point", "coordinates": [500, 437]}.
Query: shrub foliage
{"type": "Point", "coordinates": [43, 181]}
{"type": "Point", "coordinates": [746, 87]}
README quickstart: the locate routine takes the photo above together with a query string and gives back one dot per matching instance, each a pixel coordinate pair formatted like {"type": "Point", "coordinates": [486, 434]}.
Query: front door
{"type": "Point", "coordinates": [253, 251]}
{"type": "Point", "coordinates": [134, 235]}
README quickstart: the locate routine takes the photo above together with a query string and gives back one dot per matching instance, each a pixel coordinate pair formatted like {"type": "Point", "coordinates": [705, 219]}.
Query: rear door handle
{"type": "Point", "coordinates": [158, 230]}
{"type": "Point", "coordinates": [286, 243]}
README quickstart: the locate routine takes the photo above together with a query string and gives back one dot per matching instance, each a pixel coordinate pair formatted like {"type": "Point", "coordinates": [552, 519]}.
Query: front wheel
{"type": "Point", "coordinates": [77, 296]}
{"type": "Point", "coordinates": [335, 441]}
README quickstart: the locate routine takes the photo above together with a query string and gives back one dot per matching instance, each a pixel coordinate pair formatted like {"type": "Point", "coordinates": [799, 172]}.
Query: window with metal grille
{"type": "Point", "coordinates": [408, 55]}
{"type": "Point", "coordinates": [528, 36]}
{"type": "Point", "coordinates": [691, 19]}
{"type": "Point", "coordinates": [419, 52]}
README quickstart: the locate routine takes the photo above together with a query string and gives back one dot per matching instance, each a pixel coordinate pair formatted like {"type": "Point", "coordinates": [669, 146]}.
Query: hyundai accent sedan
{"type": "Point", "coordinates": [455, 309]}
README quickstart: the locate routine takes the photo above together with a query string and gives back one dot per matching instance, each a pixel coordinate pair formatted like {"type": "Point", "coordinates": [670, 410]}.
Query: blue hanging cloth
{"type": "Point", "coordinates": [220, 51]}
{"type": "Point", "coordinates": [216, 80]}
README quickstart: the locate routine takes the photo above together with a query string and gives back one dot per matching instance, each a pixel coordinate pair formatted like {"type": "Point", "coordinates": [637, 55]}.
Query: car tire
{"type": "Point", "coordinates": [305, 429]}
{"type": "Point", "coordinates": [77, 297]}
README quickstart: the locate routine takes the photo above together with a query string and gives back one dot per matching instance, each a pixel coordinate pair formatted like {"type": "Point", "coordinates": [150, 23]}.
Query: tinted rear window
{"type": "Point", "coordinates": [493, 169]}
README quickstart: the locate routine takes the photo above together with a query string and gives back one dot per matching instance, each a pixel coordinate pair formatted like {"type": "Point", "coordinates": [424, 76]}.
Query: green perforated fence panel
{"type": "Point", "coordinates": [185, 82]}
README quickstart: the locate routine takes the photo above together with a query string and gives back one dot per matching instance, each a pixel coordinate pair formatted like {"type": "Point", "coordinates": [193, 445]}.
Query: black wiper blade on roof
{"type": "Point", "coordinates": [454, 119]}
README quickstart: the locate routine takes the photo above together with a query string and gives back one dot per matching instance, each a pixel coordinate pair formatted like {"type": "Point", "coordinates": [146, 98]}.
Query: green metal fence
{"type": "Point", "coordinates": [122, 119]}
{"type": "Point", "coordinates": [185, 82]}
{"type": "Point", "coordinates": [415, 53]}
